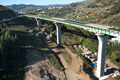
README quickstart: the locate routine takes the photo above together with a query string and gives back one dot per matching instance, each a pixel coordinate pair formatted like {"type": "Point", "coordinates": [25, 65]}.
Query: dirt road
{"type": "Point", "coordinates": [70, 74]}
{"type": "Point", "coordinates": [72, 69]}
{"type": "Point", "coordinates": [38, 68]}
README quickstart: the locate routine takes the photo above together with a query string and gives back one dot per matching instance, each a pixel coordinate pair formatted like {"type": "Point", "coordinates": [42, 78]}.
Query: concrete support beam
{"type": "Point", "coordinates": [101, 54]}
{"type": "Point", "coordinates": [38, 22]}
{"type": "Point", "coordinates": [58, 29]}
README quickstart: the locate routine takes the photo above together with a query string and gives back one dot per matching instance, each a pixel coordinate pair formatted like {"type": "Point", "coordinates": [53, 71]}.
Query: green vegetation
{"type": "Point", "coordinates": [23, 7]}
{"type": "Point", "coordinates": [6, 13]}
{"type": "Point", "coordinates": [80, 36]}
{"type": "Point", "coordinates": [23, 21]}
{"type": "Point", "coordinates": [72, 35]}
{"type": "Point", "coordinates": [14, 41]}
{"type": "Point", "coordinates": [12, 58]}
{"type": "Point", "coordinates": [3, 7]}
{"type": "Point", "coordinates": [52, 58]}
{"type": "Point", "coordinates": [8, 45]}
{"type": "Point", "coordinates": [88, 40]}
{"type": "Point", "coordinates": [113, 52]}
{"type": "Point", "coordinates": [77, 51]}
{"type": "Point", "coordinates": [96, 11]}
{"type": "Point", "coordinates": [33, 13]}
{"type": "Point", "coordinates": [118, 77]}
{"type": "Point", "coordinates": [116, 9]}
{"type": "Point", "coordinates": [93, 11]}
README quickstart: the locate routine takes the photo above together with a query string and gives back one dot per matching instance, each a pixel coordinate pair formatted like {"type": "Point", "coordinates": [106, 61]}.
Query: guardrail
{"type": "Point", "coordinates": [109, 31]}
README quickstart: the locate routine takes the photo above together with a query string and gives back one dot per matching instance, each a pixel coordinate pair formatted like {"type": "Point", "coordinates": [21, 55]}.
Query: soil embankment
{"type": "Point", "coordinates": [38, 67]}
{"type": "Point", "coordinates": [72, 65]}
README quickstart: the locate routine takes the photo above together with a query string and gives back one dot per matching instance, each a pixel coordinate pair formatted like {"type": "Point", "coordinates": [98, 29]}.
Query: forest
{"type": "Point", "coordinates": [9, 46]}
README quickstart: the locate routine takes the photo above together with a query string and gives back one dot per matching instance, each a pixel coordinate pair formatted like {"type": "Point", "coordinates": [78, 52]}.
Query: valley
{"type": "Point", "coordinates": [59, 41]}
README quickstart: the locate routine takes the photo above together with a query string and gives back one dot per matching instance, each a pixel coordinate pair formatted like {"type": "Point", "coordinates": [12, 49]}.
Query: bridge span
{"type": "Point", "coordinates": [101, 31]}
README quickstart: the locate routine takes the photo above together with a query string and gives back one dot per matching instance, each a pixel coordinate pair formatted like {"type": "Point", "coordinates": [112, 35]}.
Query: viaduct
{"type": "Point", "coordinates": [102, 32]}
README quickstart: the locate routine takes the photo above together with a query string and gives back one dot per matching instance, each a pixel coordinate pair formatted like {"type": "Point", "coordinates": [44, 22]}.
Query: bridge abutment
{"type": "Point", "coordinates": [101, 54]}
{"type": "Point", "coordinates": [58, 29]}
{"type": "Point", "coordinates": [38, 22]}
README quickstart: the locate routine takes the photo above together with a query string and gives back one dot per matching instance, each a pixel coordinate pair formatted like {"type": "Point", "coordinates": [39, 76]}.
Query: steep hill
{"type": "Point", "coordinates": [95, 11]}
{"type": "Point", "coordinates": [67, 9]}
{"type": "Point", "coordinates": [6, 13]}
{"type": "Point", "coordinates": [24, 7]}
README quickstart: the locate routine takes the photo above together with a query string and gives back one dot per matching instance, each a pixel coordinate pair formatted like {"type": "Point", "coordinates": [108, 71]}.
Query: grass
{"type": "Point", "coordinates": [103, 10]}
{"type": "Point", "coordinates": [18, 28]}
{"type": "Point", "coordinates": [69, 39]}
{"type": "Point", "coordinates": [27, 22]}
{"type": "Point", "coordinates": [15, 70]}
{"type": "Point", "coordinates": [2, 7]}
{"type": "Point", "coordinates": [6, 13]}
{"type": "Point", "coordinates": [90, 9]}
{"type": "Point", "coordinates": [67, 58]}
{"type": "Point", "coordinates": [110, 18]}
{"type": "Point", "coordinates": [16, 66]}
{"type": "Point", "coordinates": [87, 67]}
{"type": "Point", "coordinates": [118, 77]}
{"type": "Point", "coordinates": [78, 52]}
{"type": "Point", "coordinates": [52, 58]}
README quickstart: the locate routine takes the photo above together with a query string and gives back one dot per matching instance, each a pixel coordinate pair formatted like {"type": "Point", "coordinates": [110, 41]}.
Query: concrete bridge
{"type": "Point", "coordinates": [101, 31]}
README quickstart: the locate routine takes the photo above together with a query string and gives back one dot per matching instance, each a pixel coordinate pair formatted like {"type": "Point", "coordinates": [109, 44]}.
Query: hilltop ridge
{"type": "Point", "coordinates": [6, 12]}
{"type": "Point", "coordinates": [23, 7]}
{"type": "Point", "coordinates": [94, 11]}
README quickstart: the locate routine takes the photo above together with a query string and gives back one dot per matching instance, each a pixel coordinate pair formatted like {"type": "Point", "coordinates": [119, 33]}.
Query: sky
{"type": "Point", "coordinates": [37, 2]}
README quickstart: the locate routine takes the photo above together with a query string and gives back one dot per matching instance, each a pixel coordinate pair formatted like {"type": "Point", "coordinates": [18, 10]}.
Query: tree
{"type": "Point", "coordinates": [116, 9]}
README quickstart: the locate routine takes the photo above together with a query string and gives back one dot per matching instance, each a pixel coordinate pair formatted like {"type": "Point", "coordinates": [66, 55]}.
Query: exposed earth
{"type": "Point", "coordinates": [38, 67]}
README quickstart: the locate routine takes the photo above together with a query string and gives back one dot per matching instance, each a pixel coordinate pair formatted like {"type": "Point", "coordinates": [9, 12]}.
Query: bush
{"type": "Point", "coordinates": [118, 77]}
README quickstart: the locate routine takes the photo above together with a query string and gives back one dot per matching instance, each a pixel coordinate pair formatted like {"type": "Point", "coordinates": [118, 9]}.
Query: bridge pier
{"type": "Point", "coordinates": [101, 54]}
{"type": "Point", "coordinates": [38, 22]}
{"type": "Point", "coordinates": [58, 29]}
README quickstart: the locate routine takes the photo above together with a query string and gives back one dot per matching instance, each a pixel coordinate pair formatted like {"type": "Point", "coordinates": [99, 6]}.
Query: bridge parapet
{"type": "Point", "coordinates": [87, 26]}
{"type": "Point", "coordinates": [102, 33]}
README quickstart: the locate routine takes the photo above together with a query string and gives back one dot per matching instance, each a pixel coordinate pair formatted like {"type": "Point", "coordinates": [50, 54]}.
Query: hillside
{"type": "Point", "coordinates": [23, 7]}
{"type": "Point", "coordinates": [95, 11]}
{"type": "Point", "coordinates": [66, 9]}
{"type": "Point", "coordinates": [6, 12]}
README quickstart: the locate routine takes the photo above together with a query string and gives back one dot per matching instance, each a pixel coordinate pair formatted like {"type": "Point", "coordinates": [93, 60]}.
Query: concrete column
{"type": "Point", "coordinates": [38, 22]}
{"type": "Point", "coordinates": [58, 29]}
{"type": "Point", "coordinates": [101, 54]}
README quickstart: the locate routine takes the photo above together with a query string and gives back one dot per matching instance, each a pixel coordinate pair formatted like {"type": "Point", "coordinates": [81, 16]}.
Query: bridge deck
{"type": "Point", "coordinates": [87, 26]}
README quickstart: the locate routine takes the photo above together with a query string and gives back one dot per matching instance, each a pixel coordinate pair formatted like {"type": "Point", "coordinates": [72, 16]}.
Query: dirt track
{"type": "Point", "coordinates": [71, 70]}
{"type": "Point", "coordinates": [38, 68]}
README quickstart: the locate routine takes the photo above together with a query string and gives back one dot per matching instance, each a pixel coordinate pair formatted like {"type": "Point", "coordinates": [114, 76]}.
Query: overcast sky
{"type": "Point", "coordinates": [37, 2]}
